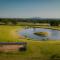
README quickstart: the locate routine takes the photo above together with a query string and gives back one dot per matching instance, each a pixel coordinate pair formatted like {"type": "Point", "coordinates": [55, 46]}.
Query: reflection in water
{"type": "Point", "coordinates": [55, 34]}
{"type": "Point", "coordinates": [34, 29]}
{"type": "Point", "coordinates": [52, 34]}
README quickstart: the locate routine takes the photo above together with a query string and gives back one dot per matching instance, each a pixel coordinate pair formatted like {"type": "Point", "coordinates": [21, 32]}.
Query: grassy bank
{"type": "Point", "coordinates": [7, 33]}
{"type": "Point", "coordinates": [36, 50]}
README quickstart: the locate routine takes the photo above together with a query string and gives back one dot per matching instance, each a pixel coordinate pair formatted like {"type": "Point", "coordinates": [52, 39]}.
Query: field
{"type": "Point", "coordinates": [36, 50]}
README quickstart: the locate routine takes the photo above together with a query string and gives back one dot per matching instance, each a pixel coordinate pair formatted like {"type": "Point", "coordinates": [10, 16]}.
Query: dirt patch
{"type": "Point", "coordinates": [7, 48]}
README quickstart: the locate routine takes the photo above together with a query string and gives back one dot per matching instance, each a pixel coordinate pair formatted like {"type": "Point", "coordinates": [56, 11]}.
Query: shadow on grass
{"type": "Point", "coordinates": [55, 57]}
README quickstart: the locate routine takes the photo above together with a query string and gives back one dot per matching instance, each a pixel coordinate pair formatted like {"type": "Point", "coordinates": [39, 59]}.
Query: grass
{"type": "Point", "coordinates": [41, 33]}
{"type": "Point", "coordinates": [6, 33]}
{"type": "Point", "coordinates": [36, 50]}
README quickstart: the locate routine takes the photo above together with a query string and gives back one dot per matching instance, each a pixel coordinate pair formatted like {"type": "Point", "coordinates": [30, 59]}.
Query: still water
{"type": "Point", "coordinates": [52, 34]}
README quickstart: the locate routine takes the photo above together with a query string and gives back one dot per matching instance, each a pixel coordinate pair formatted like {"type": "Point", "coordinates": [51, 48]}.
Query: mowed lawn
{"type": "Point", "coordinates": [36, 50]}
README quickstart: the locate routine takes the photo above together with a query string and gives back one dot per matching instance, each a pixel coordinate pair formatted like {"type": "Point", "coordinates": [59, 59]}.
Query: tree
{"type": "Point", "coordinates": [54, 23]}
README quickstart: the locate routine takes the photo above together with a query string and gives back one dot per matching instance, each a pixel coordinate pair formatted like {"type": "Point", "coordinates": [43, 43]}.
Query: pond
{"type": "Point", "coordinates": [52, 34]}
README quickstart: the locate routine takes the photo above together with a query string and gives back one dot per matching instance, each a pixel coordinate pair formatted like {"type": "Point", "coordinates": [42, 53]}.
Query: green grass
{"type": "Point", "coordinates": [6, 34]}
{"type": "Point", "coordinates": [41, 33]}
{"type": "Point", "coordinates": [36, 50]}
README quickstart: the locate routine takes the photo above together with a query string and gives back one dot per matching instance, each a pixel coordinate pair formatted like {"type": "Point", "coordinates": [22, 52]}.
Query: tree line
{"type": "Point", "coordinates": [14, 21]}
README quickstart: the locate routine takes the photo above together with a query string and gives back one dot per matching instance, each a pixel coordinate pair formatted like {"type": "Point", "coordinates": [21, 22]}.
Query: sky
{"type": "Point", "coordinates": [29, 8]}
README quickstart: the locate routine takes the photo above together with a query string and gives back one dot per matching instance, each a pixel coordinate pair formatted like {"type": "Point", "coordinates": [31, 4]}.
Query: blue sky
{"type": "Point", "coordinates": [30, 8]}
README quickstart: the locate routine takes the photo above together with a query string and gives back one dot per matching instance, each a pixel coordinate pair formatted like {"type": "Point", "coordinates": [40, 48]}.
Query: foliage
{"type": "Point", "coordinates": [14, 21]}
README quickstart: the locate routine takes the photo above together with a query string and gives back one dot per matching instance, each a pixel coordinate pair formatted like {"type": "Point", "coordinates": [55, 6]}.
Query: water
{"type": "Point", "coordinates": [52, 34]}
